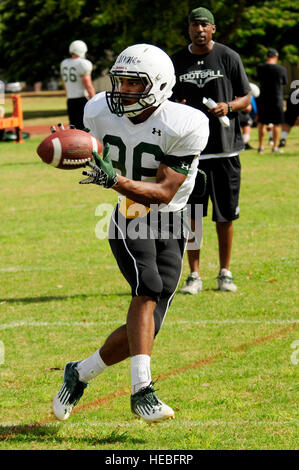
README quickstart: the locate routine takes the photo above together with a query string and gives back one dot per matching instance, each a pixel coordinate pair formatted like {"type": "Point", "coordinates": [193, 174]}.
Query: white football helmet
{"type": "Point", "coordinates": [149, 64]}
{"type": "Point", "coordinates": [79, 48]}
{"type": "Point", "coordinates": [255, 91]}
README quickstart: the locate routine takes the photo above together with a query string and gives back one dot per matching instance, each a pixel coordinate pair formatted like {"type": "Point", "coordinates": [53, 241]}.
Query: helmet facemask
{"type": "Point", "coordinates": [147, 64]}
{"type": "Point", "coordinates": [116, 98]}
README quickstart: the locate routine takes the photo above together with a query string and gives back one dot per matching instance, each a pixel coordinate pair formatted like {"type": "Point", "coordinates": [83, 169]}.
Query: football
{"type": "Point", "coordinates": [68, 149]}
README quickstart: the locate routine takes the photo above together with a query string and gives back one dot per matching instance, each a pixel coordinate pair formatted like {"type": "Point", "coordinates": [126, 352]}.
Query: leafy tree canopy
{"type": "Point", "coordinates": [35, 35]}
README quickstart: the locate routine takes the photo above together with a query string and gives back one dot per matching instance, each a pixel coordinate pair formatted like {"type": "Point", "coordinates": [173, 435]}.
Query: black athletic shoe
{"type": "Point", "coordinates": [70, 392]}
{"type": "Point", "coordinates": [146, 405]}
{"type": "Point", "coordinates": [248, 147]}
{"type": "Point", "coordinates": [282, 143]}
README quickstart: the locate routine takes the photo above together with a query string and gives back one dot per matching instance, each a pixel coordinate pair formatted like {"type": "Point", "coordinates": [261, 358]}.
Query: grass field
{"type": "Point", "coordinates": [227, 363]}
{"type": "Point", "coordinates": [45, 108]}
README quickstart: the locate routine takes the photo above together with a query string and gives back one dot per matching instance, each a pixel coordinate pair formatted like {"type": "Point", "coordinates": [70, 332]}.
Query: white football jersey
{"type": "Point", "coordinates": [72, 71]}
{"type": "Point", "coordinates": [138, 149]}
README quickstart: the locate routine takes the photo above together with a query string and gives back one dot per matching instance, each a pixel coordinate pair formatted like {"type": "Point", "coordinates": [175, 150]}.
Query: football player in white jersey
{"type": "Point", "coordinates": [76, 76]}
{"type": "Point", "coordinates": [151, 149]}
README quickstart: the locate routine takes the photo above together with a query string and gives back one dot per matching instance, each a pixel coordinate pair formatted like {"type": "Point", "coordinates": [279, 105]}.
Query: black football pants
{"type": "Point", "coordinates": [149, 252]}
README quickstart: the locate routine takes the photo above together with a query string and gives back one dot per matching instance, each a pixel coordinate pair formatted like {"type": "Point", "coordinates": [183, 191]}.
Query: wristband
{"type": "Point", "coordinates": [230, 109]}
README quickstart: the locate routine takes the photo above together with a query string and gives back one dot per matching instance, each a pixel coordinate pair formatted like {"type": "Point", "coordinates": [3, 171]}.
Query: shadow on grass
{"type": "Point", "coordinates": [44, 113]}
{"type": "Point", "coordinates": [15, 164]}
{"type": "Point", "coordinates": [51, 298]}
{"type": "Point", "coordinates": [29, 430]}
{"type": "Point", "coordinates": [48, 433]}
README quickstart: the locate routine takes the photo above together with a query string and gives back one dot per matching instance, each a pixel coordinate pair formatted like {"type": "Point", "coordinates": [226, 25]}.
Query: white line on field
{"type": "Point", "coordinates": [196, 423]}
{"type": "Point", "coordinates": [172, 423]}
{"type": "Point", "coordinates": [16, 269]}
{"type": "Point", "coordinates": [27, 323]}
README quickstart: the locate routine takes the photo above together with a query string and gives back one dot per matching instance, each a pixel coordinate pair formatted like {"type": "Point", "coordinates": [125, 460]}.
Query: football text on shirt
{"type": "Point", "coordinates": [200, 77]}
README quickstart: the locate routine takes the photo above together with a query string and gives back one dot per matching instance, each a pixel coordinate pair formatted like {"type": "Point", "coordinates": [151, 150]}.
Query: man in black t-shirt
{"type": "Point", "coordinates": [208, 69]}
{"type": "Point", "coordinates": [290, 115]}
{"type": "Point", "coordinates": [272, 78]}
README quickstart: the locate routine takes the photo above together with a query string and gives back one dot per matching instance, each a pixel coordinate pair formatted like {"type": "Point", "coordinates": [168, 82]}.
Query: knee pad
{"type": "Point", "coordinates": [150, 283]}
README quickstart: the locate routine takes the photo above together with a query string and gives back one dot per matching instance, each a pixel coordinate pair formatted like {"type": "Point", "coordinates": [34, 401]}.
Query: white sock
{"type": "Point", "coordinates": [140, 371]}
{"type": "Point", "coordinates": [270, 134]}
{"type": "Point", "coordinates": [91, 367]}
{"type": "Point", "coordinates": [284, 134]}
{"type": "Point", "coordinates": [195, 274]}
{"type": "Point", "coordinates": [246, 138]}
{"type": "Point", "coordinates": [225, 272]}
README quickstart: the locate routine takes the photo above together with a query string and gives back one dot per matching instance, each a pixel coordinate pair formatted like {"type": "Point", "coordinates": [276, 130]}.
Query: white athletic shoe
{"type": "Point", "coordinates": [146, 405]}
{"type": "Point", "coordinates": [70, 392]}
{"type": "Point", "coordinates": [225, 281]}
{"type": "Point", "coordinates": [193, 285]}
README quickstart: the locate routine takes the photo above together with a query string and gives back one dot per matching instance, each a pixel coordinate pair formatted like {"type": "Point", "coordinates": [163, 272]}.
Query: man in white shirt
{"type": "Point", "coordinates": [151, 149]}
{"type": "Point", "coordinates": [76, 75]}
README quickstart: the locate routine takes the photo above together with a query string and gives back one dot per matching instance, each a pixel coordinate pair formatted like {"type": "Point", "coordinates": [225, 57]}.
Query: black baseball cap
{"type": "Point", "coordinates": [272, 53]}
{"type": "Point", "coordinates": [201, 14]}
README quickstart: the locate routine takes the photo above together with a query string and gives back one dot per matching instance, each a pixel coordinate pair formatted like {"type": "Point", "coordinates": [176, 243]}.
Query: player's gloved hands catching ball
{"type": "Point", "coordinates": [60, 127]}
{"type": "Point", "coordinates": [103, 172]}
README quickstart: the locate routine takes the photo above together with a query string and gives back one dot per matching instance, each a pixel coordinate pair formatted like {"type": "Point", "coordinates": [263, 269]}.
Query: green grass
{"type": "Point", "coordinates": [222, 360]}
{"type": "Point", "coordinates": [46, 108]}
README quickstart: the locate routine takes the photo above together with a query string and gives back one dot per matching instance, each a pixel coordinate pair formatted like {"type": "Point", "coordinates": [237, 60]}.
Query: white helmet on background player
{"type": "Point", "coordinates": [149, 64]}
{"type": "Point", "coordinates": [255, 91]}
{"type": "Point", "coordinates": [79, 48]}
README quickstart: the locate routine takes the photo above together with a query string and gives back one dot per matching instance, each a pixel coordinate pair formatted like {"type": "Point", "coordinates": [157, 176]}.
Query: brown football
{"type": "Point", "coordinates": [68, 149]}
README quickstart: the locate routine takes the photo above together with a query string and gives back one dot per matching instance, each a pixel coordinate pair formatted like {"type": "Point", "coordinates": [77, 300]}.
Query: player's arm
{"type": "Point", "coordinates": [162, 191]}
{"type": "Point", "coordinates": [238, 104]}
{"type": "Point", "coordinates": [170, 176]}
{"type": "Point", "coordinates": [87, 83]}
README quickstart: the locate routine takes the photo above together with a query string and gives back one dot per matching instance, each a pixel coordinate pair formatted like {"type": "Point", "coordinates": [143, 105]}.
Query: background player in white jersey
{"type": "Point", "coordinates": [154, 145]}
{"type": "Point", "coordinates": [76, 75]}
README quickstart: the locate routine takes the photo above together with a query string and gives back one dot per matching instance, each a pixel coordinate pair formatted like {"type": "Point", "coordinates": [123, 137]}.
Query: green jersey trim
{"type": "Point", "coordinates": [179, 164]}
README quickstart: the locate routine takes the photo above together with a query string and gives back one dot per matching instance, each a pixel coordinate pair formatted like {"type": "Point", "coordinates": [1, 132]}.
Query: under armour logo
{"type": "Point", "coordinates": [155, 131]}
{"type": "Point", "coordinates": [184, 166]}
{"type": "Point", "coordinates": [200, 62]}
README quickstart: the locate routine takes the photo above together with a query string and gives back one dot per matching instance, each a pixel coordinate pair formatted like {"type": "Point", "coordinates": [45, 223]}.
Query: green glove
{"type": "Point", "coordinates": [103, 172]}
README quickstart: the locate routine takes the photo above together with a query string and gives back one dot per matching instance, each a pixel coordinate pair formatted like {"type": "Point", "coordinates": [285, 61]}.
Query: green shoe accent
{"type": "Point", "coordinates": [70, 392]}
{"type": "Point", "coordinates": [72, 387]}
{"type": "Point", "coordinates": [145, 404]}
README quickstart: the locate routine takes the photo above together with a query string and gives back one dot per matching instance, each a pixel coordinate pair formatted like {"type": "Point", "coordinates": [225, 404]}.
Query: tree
{"type": "Point", "coordinates": [35, 35]}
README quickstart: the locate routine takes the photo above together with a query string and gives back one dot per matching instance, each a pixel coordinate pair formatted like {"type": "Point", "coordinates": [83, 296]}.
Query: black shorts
{"type": "Point", "coordinates": [291, 113]}
{"type": "Point", "coordinates": [75, 109]}
{"type": "Point", "coordinates": [244, 119]}
{"type": "Point", "coordinates": [223, 187]}
{"type": "Point", "coordinates": [270, 112]}
{"type": "Point", "coordinates": [149, 252]}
